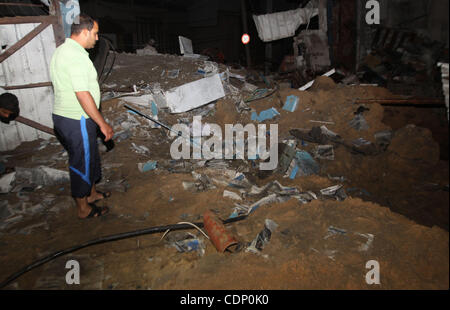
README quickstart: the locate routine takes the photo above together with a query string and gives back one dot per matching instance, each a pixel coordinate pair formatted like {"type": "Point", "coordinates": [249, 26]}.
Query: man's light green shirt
{"type": "Point", "coordinates": [71, 70]}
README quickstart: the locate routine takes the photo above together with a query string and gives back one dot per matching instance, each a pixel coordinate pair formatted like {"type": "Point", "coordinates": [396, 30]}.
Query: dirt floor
{"type": "Point", "coordinates": [394, 211]}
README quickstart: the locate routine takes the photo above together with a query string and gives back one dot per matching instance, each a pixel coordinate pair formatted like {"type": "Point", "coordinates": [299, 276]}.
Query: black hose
{"type": "Point", "coordinates": [100, 240]}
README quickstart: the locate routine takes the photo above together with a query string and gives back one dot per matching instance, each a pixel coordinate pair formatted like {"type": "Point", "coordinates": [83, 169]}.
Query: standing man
{"type": "Point", "coordinates": [76, 115]}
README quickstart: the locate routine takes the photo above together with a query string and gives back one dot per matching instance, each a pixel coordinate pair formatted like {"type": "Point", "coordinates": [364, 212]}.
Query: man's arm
{"type": "Point", "coordinates": [88, 104]}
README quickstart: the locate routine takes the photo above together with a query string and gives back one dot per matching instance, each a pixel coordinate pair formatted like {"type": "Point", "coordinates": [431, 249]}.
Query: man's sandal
{"type": "Point", "coordinates": [104, 194]}
{"type": "Point", "coordinates": [97, 211]}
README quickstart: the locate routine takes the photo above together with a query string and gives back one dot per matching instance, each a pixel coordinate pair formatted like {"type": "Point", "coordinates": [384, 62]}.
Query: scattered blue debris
{"type": "Point", "coordinates": [264, 115]}
{"type": "Point", "coordinates": [306, 163]}
{"type": "Point", "coordinates": [150, 165]}
{"type": "Point", "coordinates": [291, 103]}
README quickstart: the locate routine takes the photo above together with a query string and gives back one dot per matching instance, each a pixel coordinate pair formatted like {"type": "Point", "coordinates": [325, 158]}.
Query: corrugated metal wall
{"type": "Point", "coordinates": [30, 64]}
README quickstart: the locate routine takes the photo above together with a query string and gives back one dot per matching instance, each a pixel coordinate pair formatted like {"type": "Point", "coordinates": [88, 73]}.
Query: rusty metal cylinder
{"type": "Point", "coordinates": [219, 236]}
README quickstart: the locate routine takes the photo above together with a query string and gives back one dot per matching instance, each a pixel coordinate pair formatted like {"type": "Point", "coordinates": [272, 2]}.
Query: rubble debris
{"type": "Point", "coordinates": [306, 163]}
{"type": "Point", "coordinates": [6, 182]}
{"type": "Point", "coordinates": [273, 192]}
{"type": "Point", "coordinates": [359, 123]}
{"type": "Point", "coordinates": [140, 149]}
{"type": "Point", "coordinates": [398, 55]}
{"type": "Point", "coordinates": [314, 47]}
{"type": "Point", "coordinates": [203, 183]}
{"type": "Point", "coordinates": [366, 246]}
{"type": "Point", "coordinates": [186, 242]}
{"type": "Point", "coordinates": [265, 115]}
{"type": "Point", "coordinates": [383, 139]}
{"type": "Point", "coordinates": [209, 68]}
{"type": "Point", "coordinates": [288, 151]}
{"type": "Point", "coordinates": [42, 175]}
{"type": "Point", "coordinates": [272, 187]}
{"type": "Point", "coordinates": [310, 83]}
{"type": "Point", "coordinates": [291, 103]}
{"type": "Point", "coordinates": [173, 74]}
{"type": "Point", "coordinates": [336, 191]}
{"type": "Point", "coordinates": [195, 94]}
{"type": "Point", "coordinates": [324, 152]}
{"type": "Point", "coordinates": [231, 195]}
{"type": "Point", "coordinates": [332, 231]}
{"type": "Point", "coordinates": [5, 212]}
{"type": "Point", "coordinates": [249, 87]}
{"type": "Point", "coordinates": [148, 166]}
{"type": "Point", "coordinates": [263, 238]}
{"type": "Point", "coordinates": [306, 197]}
{"type": "Point", "coordinates": [270, 27]}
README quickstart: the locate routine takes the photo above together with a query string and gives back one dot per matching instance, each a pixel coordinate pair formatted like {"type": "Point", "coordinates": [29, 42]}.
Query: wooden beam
{"type": "Point", "coordinates": [34, 124]}
{"type": "Point", "coordinates": [21, 4]}
{"type": "Point", "coordinates": [28, 20]}
{"type": "Point", "coordinates": [12, 49]}
{"type": "Point", "coordinates": [33, 85]}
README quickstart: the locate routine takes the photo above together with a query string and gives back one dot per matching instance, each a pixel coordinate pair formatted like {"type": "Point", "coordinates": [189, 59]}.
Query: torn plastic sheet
{"type": "Point", "coordinates": [383, 139]}
{"type": "Point", "coordinates": [140, 149]}
{"type": "Point", "coordinates": [306, 197]}
{"type": "Point", "coordinates": [6, 182]}
{"type": "Point", "coordinates": [361, 142]}
{"type": "Point", "coordinates": [324, 152]}
{"type": "Point", "coordinates": [261, 240]}
{"type": "Point", "coordinates": [366, 246]}
{"type": "Point", "coordinates": [273, 187]}
{"type": "Point", "coordinates": [244, 209]}
{"type": "Point", "coordinates": [336, 191]}
{"type": "Point", "coordinates": [332, 231]}
{"type": "Point", "coordinates": [281, 25]}
{"type": "Point", "coordinates": [231, 195]}
{"type": "Point", "coordinates": [359, 123]}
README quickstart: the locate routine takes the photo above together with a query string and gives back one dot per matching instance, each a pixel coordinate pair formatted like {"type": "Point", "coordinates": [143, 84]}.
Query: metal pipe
{"type": "Point", "coordinates": [244, 25]}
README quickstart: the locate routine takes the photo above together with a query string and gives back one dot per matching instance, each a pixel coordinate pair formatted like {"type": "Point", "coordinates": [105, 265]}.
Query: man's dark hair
{"type": "Point", "coordinates": [9, 102]}
{"type": "Point", "coordinates": [83, 21]}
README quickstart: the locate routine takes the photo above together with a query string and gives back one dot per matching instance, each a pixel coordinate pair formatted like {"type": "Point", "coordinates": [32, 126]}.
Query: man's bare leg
{"type": "Point", "coordinates": [94, 195]}
{"type": "Point", "coordinates": [83, 207]}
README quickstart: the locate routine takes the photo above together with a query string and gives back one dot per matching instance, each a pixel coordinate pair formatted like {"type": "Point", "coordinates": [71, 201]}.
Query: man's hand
{"type": "Point", "coordinates": [107, 131]}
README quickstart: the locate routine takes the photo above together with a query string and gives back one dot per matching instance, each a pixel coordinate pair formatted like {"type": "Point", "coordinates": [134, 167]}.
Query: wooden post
{"type": "Point", "coordinates": [58, 28]}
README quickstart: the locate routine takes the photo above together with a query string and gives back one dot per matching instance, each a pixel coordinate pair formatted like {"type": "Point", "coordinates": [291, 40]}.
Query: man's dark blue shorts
{"type": "Point", "coordinates": [79, 138]}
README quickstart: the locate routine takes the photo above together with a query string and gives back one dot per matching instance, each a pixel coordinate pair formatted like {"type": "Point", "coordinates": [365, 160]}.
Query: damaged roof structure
{"type": "Point", "coordinates": [349, 115]}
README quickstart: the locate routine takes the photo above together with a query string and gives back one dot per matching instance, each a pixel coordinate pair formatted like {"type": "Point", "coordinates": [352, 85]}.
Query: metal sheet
{"type": "Point", "coordinates": [30, 64]}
